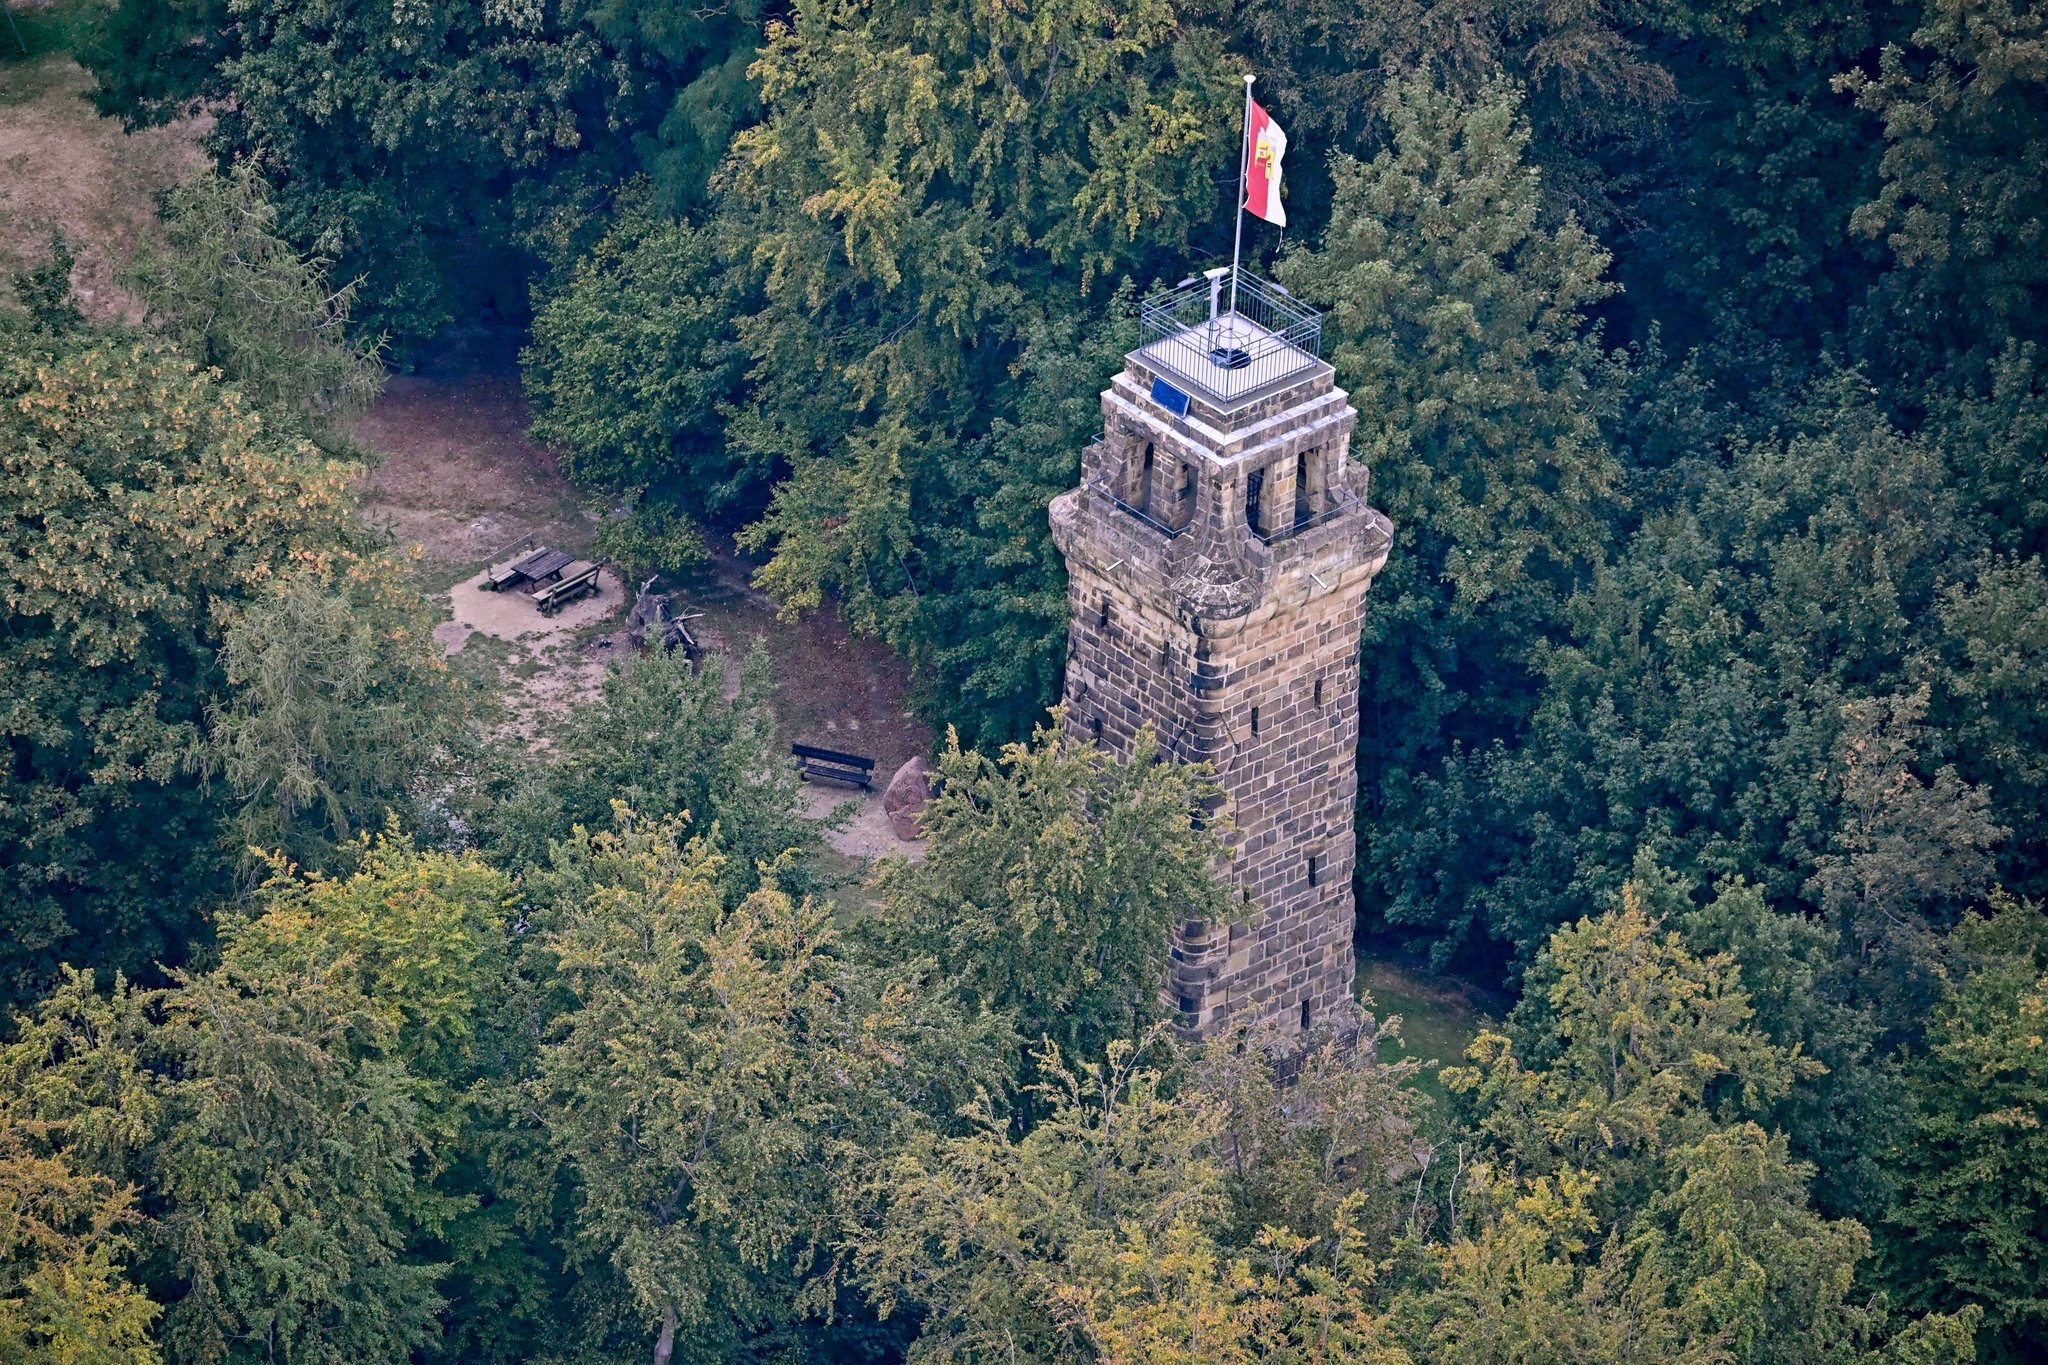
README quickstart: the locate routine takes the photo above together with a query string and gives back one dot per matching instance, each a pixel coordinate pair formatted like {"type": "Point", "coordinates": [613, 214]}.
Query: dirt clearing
{"type": "Point", "coordinates": [833, 689]}
{"type": "Point", "coordinates": [456, 476]}
{"type": "Point", "coordinates": [545, 663]}
{"type": "Point", "coordinates": [458, 479]}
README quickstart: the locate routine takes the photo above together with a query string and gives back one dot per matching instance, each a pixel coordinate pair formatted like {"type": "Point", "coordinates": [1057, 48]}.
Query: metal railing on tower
{"type": "Point", "coordinates": [1228, 334]}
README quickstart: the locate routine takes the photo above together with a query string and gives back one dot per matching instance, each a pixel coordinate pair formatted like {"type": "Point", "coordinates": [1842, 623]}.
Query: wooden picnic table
{"type": "Point", "coordinates": [542, 563]}
{"type": "Point", "coordinates": [531, 567]}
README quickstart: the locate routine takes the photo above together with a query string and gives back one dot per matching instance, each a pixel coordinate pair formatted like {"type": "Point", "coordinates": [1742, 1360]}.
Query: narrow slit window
{"type": "Point", "coordinates": [1255, 721]}
{"type": "Point", "coordinates": [1102, 616]}
{"type": "Point", "coordinates": [1095, 726]}
{"type": "Point", "coordinates": [1319, 691]}
{"type": "Point", "coordinates": [1307, 1014]}
{"type": "Point", "coordinates": [1315, 870]}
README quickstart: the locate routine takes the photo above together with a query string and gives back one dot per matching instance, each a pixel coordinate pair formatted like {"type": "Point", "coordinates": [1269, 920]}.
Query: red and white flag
{"type": "Point", "coordinates": [1264, 145]}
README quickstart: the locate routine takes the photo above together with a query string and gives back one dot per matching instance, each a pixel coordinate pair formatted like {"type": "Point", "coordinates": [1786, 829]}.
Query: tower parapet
{"type": "Point", "coordinates": [1219, 550]}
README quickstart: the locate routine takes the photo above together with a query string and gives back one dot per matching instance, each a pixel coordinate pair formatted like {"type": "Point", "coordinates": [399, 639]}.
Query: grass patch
{"type": "Point", "coordinates": [592, 631]}
{"type": "Point", "coordinates": [842, 884]}
{"type": "Point", "coordinates": [483, 659]}
{"type": "Point", "coordinates": [1439, 1017]}
{"type": "Point", "coordinates": [439, 577]}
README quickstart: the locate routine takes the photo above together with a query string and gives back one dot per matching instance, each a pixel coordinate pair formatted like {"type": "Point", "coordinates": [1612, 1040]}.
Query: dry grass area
{"type": "Point", "coordinates": [63, 166]}
{"type": "Point", "coordinates": [456, 476]}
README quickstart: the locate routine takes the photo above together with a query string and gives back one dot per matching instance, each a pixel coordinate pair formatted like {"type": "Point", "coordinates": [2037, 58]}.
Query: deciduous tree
{"type": "Point", "coordinates": [927, 182]}
{"type": "Point", "coordinates": [65, 1239]}
{"type": "Point", "coordinates": [342, 711]}
{"type": "Point", "coordinates": [144, 501]}
{"type": "Point", "coordinates": [718, 1079]}
{"type": "Point", "coordinates": [218, 280]}
{"type": "Point", "coordinates": [664, 739]}
{"type": "Point", "coordinates": [632, 355]}
{"type": "Point", "coordinates": [1624, 1208]}
{"type": "Point", "coordinates": [1052, 883]}
{"type": "Point", "coordinates": [1458, 317]}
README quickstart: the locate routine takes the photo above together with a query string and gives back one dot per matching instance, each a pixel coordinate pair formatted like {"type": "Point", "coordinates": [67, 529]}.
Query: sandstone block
{"type": "Point", "coordinates": [906, 796]}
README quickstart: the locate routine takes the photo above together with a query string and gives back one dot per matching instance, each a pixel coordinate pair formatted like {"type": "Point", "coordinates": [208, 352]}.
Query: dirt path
{"type": "Point", "coordinates": [458, 479]}
{"type": "Point", "coordinates": [63, 166]}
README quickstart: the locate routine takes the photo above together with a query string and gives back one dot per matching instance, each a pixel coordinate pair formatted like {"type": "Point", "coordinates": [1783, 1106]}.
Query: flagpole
{"type": "Point", "coordinates": [1244, 161]}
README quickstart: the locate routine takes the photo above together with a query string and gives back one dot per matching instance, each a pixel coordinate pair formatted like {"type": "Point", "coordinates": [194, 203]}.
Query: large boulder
{"type": "Point", "coordinates": [906, 796]}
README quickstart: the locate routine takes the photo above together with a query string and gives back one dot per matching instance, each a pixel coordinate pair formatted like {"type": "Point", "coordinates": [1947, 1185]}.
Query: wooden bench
{"type": "Point", "coordinates": [503, 572]}
{"type": "Point", "coordinates": [813, 762]}
{"type": "Point", "coordinates": [577, 579]}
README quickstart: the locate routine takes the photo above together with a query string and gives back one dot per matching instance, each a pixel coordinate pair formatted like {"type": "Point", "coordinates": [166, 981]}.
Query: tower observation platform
{"type": "Point", "coordinates": [1219, 551]}
{"type": "Point", "coordinates": [1229, 335]}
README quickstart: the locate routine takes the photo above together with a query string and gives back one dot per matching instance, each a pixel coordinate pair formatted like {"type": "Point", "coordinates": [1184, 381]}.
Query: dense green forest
{"type": "Point", "coordinates": [1697, 349]}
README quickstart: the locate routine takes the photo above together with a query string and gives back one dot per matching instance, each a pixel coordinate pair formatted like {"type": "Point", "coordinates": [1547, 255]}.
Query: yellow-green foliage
{"type": "Point", "coordinates": [65, 1240]}
{"type": "Point", "coordinates": [1053, 883]}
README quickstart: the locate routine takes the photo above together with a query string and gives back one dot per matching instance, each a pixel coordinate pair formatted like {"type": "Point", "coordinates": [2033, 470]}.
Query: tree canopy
{"type": "Point", "coordinates": [1698, 355]}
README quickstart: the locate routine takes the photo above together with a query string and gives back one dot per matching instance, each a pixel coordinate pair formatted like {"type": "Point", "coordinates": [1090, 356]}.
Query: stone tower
{"type": "Point", "coordinates": [1219, 550]}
